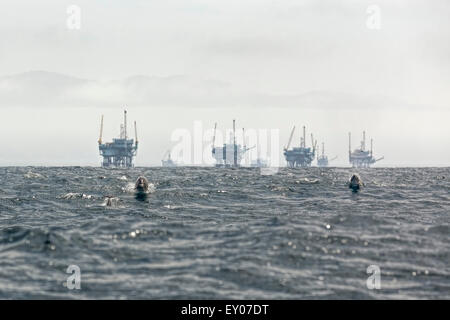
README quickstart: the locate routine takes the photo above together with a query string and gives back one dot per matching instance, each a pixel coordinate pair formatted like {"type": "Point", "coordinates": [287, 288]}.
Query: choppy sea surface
{"type": "Point", "coordinates": [208, 233]}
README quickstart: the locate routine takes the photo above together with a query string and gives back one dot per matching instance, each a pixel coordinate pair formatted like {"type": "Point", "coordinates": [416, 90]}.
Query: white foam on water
{"type": "Point", "coordinates": [130, 188]}
{"type": "Point", "coordinates": [307, 181]}
{"type": "Point", "coordinates": [111, 202]}
{"type": "Point", "coordinates": [76, 195]}
{"type": "Point", "coordinates": [33, 175]}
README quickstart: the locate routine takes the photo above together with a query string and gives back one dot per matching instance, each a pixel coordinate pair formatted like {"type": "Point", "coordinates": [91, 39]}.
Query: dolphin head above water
{"type": "Point", "coordinates": [141, 184]}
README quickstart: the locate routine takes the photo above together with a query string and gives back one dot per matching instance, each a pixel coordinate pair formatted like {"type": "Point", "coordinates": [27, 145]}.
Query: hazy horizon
{"type": "Point", "coordinates": [269, 65]}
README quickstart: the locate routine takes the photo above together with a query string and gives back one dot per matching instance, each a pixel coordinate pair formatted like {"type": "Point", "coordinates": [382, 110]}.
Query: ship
{"type": "Point", "coordinates": [361, 158]}
{"type": "Point", "coordinates": [120, 152]}
{"type": "Point", "coordinates": [230, 154]}
{"type": "Point", "coordinates": [300, 156]}
{"type": "Point", "coordinates": [322, 159]}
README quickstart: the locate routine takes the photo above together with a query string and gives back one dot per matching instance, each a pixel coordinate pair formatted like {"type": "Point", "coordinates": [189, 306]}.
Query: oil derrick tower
{"type": "Point", "coordinates": [300, 156]}
{"type": "Point", "coordinates": [322, 159]}
{"type": "Point", "coordinates": [120, 152]}
{"type": "Point", "coordinates": [361, 158]}
{"type": "Point", "coordinates": [230, 154]}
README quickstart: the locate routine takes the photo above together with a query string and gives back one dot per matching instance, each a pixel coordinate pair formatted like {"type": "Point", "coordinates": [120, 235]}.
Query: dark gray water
{"type": "Point", "coordinates": [224, 233]}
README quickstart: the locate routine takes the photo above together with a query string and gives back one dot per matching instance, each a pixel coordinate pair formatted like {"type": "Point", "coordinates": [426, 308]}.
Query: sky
{"type": "Point", "coordinates": [334, 66]}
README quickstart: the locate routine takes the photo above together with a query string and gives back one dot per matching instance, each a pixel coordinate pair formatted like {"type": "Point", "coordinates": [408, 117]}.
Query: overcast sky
{"type": "Point", "coordinates": [259, 50]}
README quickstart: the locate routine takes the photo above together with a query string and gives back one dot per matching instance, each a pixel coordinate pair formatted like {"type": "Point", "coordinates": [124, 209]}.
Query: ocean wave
{"type": "Point", "coordinates": [210, 233]}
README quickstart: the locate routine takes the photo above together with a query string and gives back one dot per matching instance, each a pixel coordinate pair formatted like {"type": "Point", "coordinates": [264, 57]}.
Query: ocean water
{"type": "Point", "coordinates": [207, 233]}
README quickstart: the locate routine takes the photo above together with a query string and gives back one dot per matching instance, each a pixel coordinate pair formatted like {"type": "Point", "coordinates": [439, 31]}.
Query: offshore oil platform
{"type": "Point", "coordinates": [322, 160]}
{"type": "Point", "coordinates": [361, 158]}
{"type": "Point", "coordinates": [259, 163]}
{"type": "Point", "coordinates": [230, 154]}
{"type": "Point", "coordinates": [301, 156]}
{"type": "Point", "coordinates": [120, 152]}
{"type": "Point", "coordinates": [168, 162]}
